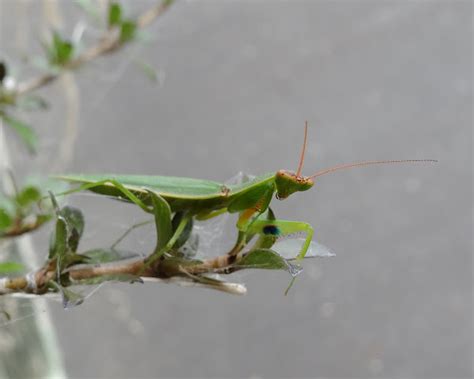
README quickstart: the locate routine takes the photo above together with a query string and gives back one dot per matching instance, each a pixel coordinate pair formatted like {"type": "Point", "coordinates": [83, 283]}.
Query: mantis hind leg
{"type": "Point", "coordinates": [115, 184]}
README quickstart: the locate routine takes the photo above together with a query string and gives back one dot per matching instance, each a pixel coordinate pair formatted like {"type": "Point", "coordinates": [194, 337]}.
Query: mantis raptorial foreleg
{"type": "Point", "coordinates": [281, 228]}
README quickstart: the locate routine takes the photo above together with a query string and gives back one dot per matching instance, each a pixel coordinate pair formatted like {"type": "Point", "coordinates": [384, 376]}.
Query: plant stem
{"type": "Point", "coordinates": [108, 43]}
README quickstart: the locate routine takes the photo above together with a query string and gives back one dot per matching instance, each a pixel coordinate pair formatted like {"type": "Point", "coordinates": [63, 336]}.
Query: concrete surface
{"type": "Point", "coordinates": [376, 80]}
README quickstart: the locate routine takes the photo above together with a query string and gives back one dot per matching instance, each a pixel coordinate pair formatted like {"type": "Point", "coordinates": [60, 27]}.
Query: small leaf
{"type": "Point", "coordinates": [3, 71]}
{"type": "Point", "coordinates": [71, 260]}
{"type": "Point", "coordinates": [58, 244]}
{"type": "Point", "coordinates": [7, 316]}
{"type": "Point", "coordinates": [7, 204]}
{"type": "Point", "coordinates": [43, 218]}
{"type": "Point", "coordinates": [70, 298]}
{"type": "Point", "coordinates": [127, 31]}
{"type": "Point", "coordinates": [27, 196]}
{"type": "Point", "coordinates": [32, 103]}
{"type": "Point", "coordinates": [148, 70]}
{"type": "Point", "coordinates": [43, 64]}
{"type": "Point", "coordinates": [167, 3]}
{"type": "Point", "coordinates": [60, 52]}
{"type": "Point", "coordinates": [69, 229]}
{"type": "Point", "coordinates": [115, 14]}
{"type": "Point", "coordinates": [267, 259]}
{"type": "Point", "coordinates": [25, 132]}
{"type": "Point", "coordinates": [5, 219]}
{"type": "Point", "coordinates": [10, 267]}
{"type": "Point", "coordinates": [75, 221]}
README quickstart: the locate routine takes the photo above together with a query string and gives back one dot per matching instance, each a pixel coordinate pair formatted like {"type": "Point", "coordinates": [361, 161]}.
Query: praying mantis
{"type": "Point", "coordinates": [177, 201]}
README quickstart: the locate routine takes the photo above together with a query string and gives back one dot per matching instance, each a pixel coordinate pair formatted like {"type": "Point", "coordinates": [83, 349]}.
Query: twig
{"type": "Point", "coordinates": [36, 281]}
{"type": "Point", "coordinates": [108, 43]}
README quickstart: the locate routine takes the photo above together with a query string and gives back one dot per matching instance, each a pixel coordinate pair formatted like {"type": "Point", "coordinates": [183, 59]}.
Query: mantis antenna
{"type": "Point", "coordinates": [303, 149]}
{"type": "Point", "coordinates": [367, 163]}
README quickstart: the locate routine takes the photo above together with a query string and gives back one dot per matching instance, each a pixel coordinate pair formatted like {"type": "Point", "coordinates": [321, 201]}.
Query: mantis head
{"type": "Point", "coordinates": [288, 182]}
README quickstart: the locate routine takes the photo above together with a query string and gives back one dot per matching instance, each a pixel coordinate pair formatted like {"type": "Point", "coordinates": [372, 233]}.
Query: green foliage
{"type": "Point", "coordinates": [70, 298]}
{"type": "Point", "coordinates": [269, 260]}
{"type": "Point", "coordinates": [128, 27]}
{"type": "Point", "coordinates": [24, 131]}
{"type": "Point", "coordinates": [115, 14]}
{"type": "Point", "coordinates": [167, 3]}
{"type": "Point", "coordinates": [148, 70]}
{"type": "Point", "coordinates": [20, 212]}
{"type": "Point", "coordinates": [127, 31]}
{"type": "Point", "coordinates": [67, 233]}
{"type": "Point", "coordinates": [60, 51]}
{"type": "Point", "coordinates": [27, 196]}
{"type": "Point", "coordinates": [5, 219]}
{"type": "Point", "coordinates": [10, 267]}
{"type": "Point", "coordinates": [32, 103]}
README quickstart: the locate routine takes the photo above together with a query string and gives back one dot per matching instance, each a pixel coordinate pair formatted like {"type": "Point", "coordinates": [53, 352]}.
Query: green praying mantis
{"type": "Point", "coordinates": [176, 202]}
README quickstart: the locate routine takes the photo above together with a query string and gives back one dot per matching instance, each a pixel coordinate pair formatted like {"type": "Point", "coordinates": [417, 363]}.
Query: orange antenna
{"type": "Point", "coordinates": [367, 163]}
{"type": "Point", "coordinates": [300, 165]}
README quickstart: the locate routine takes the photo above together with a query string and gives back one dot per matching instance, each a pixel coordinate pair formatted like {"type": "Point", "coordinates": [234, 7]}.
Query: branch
{"type": "Point", "coordinates": [108, 43]}
{"type": "Point", "coordinates": [36, 282]}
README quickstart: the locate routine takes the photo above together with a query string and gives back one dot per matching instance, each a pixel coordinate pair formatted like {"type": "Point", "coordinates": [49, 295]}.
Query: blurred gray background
{"type": "Point", "coordinates": [236, 80]}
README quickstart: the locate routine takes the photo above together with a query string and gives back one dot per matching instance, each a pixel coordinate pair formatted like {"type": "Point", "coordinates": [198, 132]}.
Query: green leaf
{"type": "Point", "coordinates": [43, 63]}
{"type": "Point", "coordinates": [167, 3]}
{"type": "Point", "coordinates": [73, 259]}
{"type": "Point", "coordinates": [148, 70]}
{"type": "Point", "coordinates": [68, 231]}
{"type": "Point", "coordinates": [58, 243]}
{"type": "Point", "coordinates": [10, 267]}
{"type": "Point", "coordinates": [25, 132]}
{"type": "Point", "coordinates": [162, 212]}
{"type": "Point", "coordinates": [32, 103]}
{"type": "Point", "coordinates": [75, 222]}
{"type": "Point", "coordinates": [7, 204]}
{"type": "Point", "coordinates": [267, 259]}
{"type": "Point", "coordinates": [43, 218]}
{"type": "Point", "coordinates": [115, 14]}
{"type": "Point", "coordinates": [70, 298]}
{"type": "Point", "coordinates": [27, 196]}
{"type": "Point", "coordinates": [7, 316]}
{"type": "Point", "coordinates": [60, 52]}
{"type": "Point", "coordinates": [127, 31]}
{"type": "Point", "coordinates": [5, 219]}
